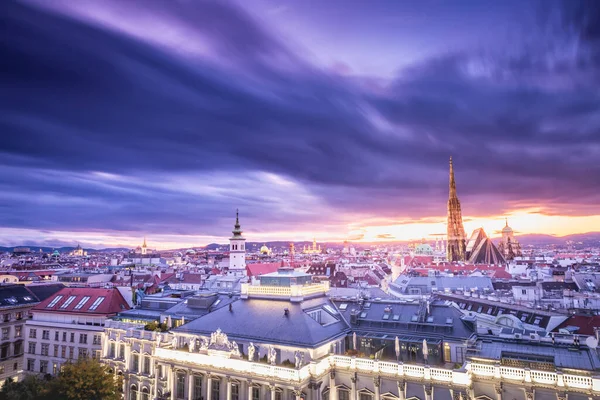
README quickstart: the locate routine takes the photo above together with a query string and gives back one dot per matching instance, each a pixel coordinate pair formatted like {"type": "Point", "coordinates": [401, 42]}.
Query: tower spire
{"type": "Point", "coordinates": [456, 246]}
{"type": "Point", "coordinates": [237, 229]}
{"type": "Point", "coordinates": [452, 181]}
{"type": "Point", "coordinates": [506, 226]}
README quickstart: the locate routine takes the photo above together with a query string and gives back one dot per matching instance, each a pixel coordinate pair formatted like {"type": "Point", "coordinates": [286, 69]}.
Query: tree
{"type": "Point", "coordinates": [32, 387]}
{"type": "Point", "coordinates": [87, 379]}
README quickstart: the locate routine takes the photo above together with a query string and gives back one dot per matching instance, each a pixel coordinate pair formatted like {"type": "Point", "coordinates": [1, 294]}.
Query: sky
{"type": "Point", "coordinates": [333, 120]}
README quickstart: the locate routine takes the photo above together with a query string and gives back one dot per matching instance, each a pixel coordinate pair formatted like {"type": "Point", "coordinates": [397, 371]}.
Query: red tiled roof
{"type": "Point", "coordinates": [586, 323]}
{"type": "Point", "coordinates": [262, 268]}
{"type": "Point", "coordinates": [71, 301]}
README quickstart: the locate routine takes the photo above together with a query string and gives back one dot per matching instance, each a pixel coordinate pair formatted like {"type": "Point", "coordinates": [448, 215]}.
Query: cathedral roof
{"type": "Point", "coordinates": [481, 250]}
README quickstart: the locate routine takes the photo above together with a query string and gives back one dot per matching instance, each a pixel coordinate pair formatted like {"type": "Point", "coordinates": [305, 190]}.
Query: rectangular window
{"type": "Point", "coordinates": [255, 393]}
{"type": "Point", "coordinates": [96, 303]}
{"type": "Point", "coordinates": [44, 367]}
{"type": "Point", "coordinates": [366, 396]}
{"type": "Point", "coordinates": [111, 352]}
{"type": "Point", "coordinates": [197, 387]}
{"type": "Point", "coordinates": [63, 351]}
{"type": "Point", "coordinates": [64, 336]}
{"type": "Point", "coordinates": [97, 354]}
{"type": "Point", "coordinates": [82, 302]}
{"type": "Point", "coordinates": [121, 351]}
{"type": "Point", "coordinates": [215, 389]}
{"type": "Point", "coordinates": [235, 391]}
{"type": "Point", "coordinates": [4, 351]}
{"type": "Point", "coordinates": [6, 317]}
{"type": "Point", "coordinates": [32, 333]}
{"type": "Point", "coordinates": [72, 337]}
{"type": "Point", "coordinates": [83, 338]}
{"type": "Point", "coordinates": [278, 396]}
{"type": "Point", "coordinates": [97, 339]}
{"type": "Point", "coordinates": [31, 349]}
{"type": "Point", "coordinates": [147, 365]}
{"type": "Point", "coordinates": [18, 330]}
{"type": "Point", "coordinates": [18, 348]}
{"type": "Point", "coordinates": [55, 350]}
{"type": "Point", "coordinates": [54, 369]}
{"type": "Point", "coordinates": [45, 349]}
{"type": "Point", "coordinates": [68, 302]}
{"type": "Point", "coordinates": [30, 364]}
{"type": "Point", "coordinates": [344, 395]}
{"type": "Point", "coordinates": [5, 333]}
{"type": "Point", "coordinates": [135, 363]}
{"type": "Point", "coordinates": [19, 315]}
{"type": "Point", "coordinates": [54, 301]}
{"type": "Point", "coordinates": [46, 335]}
{"type": "Point", "coordinates": [82, 352]}
{"type": "Point", "coordinates": [180, 386]}
{"type": "Point", "coordinates": [71, 352]}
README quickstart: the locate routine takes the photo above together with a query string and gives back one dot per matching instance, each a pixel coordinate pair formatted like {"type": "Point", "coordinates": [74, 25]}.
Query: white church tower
{"type": "Point", "coordinates": [237, 250]}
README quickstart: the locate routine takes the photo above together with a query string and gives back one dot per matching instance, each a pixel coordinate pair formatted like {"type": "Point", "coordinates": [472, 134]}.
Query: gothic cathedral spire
{"type": "Point", "coordinates": [455, 250]}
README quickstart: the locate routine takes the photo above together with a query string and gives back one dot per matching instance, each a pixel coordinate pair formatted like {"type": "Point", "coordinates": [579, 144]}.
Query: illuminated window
{"type": "Point", "coordinates": [82, 302]}
{"type": "Point", "coordinates": [54, 301]}
{"type": "Point", "coordinates": [68, 302]}
{"type": "Point", "coordinates": [96, 303]}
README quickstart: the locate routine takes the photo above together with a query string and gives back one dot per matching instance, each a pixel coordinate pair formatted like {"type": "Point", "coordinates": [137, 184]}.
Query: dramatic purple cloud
{"type": "Point", "coordinates": [163, 117]}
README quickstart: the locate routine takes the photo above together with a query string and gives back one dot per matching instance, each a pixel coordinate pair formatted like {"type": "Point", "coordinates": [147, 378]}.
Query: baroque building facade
{"type": "Point", "coordinates": [285, 339]}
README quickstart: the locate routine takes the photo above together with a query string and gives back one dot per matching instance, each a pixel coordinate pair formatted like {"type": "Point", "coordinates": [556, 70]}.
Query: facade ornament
{"type": "Point", "coordinates": [174, 342]}
{"type": "Point", "coordinates": [192, 346]}
{"type": "Point", "coordinates": [354, 377]}
{"type": "Point", "coordinates": [299, 356]}
{"type": "Point", "coordinates": [158, 339]}
{"type": "Point", "coordinates": [203, 344]}
{"type": "Point", "coordinates": [251, 351]}
{"type": "Point", "coordinates": [377, 381]}
{"type": "Point", "coordinates": [219, 341]}
{"type": "Point", "coordinates": [272, 355]}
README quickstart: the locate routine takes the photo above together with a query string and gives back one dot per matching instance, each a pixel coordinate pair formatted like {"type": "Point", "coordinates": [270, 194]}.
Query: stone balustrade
{"type": "Point", "coordinates": [462, 377]}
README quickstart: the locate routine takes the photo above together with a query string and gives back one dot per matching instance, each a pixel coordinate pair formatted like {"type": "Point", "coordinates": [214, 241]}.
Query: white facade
{"type": "Point", "coordinates": [51, 339]}
{"type": "Point", "coordinates": [237, 251]}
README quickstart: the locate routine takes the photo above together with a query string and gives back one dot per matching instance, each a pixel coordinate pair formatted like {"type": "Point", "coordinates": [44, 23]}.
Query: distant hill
{"type": "Point", "coordinates": [46, 249]}
{"type": "Point", "coordinates": [589, 239]}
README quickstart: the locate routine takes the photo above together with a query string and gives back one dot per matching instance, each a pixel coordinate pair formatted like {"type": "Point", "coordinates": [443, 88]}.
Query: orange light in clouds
{"type": "Point", "coordinates": [522, 222]}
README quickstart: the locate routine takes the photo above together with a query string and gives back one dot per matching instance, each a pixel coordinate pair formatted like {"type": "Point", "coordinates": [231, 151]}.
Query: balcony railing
{"type": "Point", "coordinates": [462, 377]}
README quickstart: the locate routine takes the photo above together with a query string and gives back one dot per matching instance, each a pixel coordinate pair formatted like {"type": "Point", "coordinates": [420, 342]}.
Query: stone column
{"type": "Point", "coordinates": [498, 391]}
{"type": "Point", "coordinates": [353, 379]}
{"type": "Point", "coordinates": [173, 383]}
{"type": "Point", "coordinates": [228, 383]}
{"type": "Point", "coordinates": [297, 392]}
{"type": "Point", "coordinates": [332, 386]}
{"type": "Point", "coordinates": [209, 387]}
{"type": "Point", "coordinates": [428, 391]}
{"type": "Point", "coordinates": [190, 375]}
{"type": "Point", "coordinates": [155, 392]}
{"type": "Point", "coordinates": [272, 387]}
{"type": "Point", "coordinates": [249, 383]}
{"type": "Point", "coordinates": [376, 382]}
{"type": "Point", "coordinates": [402, 390]}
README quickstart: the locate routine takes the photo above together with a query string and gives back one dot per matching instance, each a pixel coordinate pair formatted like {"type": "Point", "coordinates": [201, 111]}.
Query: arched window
{"type": "Point", "coordinates": [145, 394]}
{"type": "Point", "coordinates": [133, 392]}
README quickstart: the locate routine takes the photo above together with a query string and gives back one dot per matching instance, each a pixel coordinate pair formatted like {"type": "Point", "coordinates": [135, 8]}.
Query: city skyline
{"type": "Point", "coordinates": [124, 121]}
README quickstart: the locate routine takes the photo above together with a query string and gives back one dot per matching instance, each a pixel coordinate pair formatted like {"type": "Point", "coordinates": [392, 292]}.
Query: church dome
{"type": "Point", "coordinates": [507, 229]}
{"type": "Point", "coordinates": [264, 249]}
{"type": "Point", "coordinates": [190, 251]}
{"type": "Point", "coordinates": [423, 248]}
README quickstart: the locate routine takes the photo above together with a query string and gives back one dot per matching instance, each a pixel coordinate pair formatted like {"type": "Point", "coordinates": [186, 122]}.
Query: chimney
{"type": "Point", "coordinates": [230, 307]}
{"type": "Point", "coordinates": [286, 312]}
